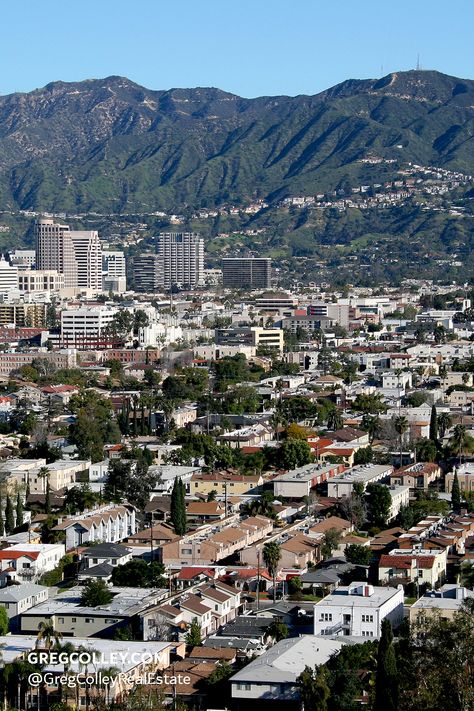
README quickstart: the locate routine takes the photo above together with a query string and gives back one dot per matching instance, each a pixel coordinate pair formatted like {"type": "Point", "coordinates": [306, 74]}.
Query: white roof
{"type": "Point", "coordinates": [285, 661]}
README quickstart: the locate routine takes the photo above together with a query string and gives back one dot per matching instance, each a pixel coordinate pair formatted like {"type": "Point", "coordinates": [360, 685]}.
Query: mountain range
{"type": "Point", "coordinates": [112, 146]}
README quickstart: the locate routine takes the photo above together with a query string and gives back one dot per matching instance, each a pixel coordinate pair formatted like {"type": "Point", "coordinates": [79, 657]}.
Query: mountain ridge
{"type": "Point", "coordinates": [112, 145]}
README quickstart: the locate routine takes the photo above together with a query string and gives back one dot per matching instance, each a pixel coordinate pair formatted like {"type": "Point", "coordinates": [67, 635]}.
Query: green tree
{"type": "Point", "coordinates": [2, 524]}
{"type": "Point", "coordinates": [294, 453]}
{"type": "Point", "coordinates": [47, 636]}
{"type": "Point", "coordinates": [19, 511]}
{"type": "Point", "coordinates": [434, 424]}
{"type": "Point", "coordinates": [271, 557]}
{"type": "Point", "coordinates": [386, 679]}
{"type": "Point", "coordinates": [456, 493]}
{"type": "Point", "coordinates": [331, 540]}
{"type": "Point", "coordinates": [193, 637]}
{"type": "Point", "coordinates": [95, 593]}
{"type": "Point", "coordinates": [9, 517]}
{"type": "Point", "coordinates": [314, 688]}
{"type": "Point", "coordinates": [444, 423]}
{"type": "Point", "coordinates": [277, 630]}
{"type": "Point", "coordinates": [426, 450]}
{"type": "Point", "coordinates": [334, 421]}
{"type": "Point", "coordinates": [178, 507]}
{"type": "Point", "coordinates": [379, 501]}
{"type": "Point", "coordinates": [140, 574]}
{"type": "Point", "coordinates": [4, 622]}
{"type": "Point", "coordinates": [358, 554]}
{"type": "Point", "coordinates": [401, 425]}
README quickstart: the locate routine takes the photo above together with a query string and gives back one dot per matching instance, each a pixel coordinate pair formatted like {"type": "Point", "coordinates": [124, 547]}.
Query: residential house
{"type": "Point", "coordinates": [444, 602]}
{"type": "Point", "coordinates": [18, 598]}
{"type": "Point", "coordinates": [416, 476]}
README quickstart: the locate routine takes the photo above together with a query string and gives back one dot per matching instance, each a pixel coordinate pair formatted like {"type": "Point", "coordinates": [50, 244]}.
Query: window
{"type": "Point", "coordinates": [243, 687]}
{"type": "Point", "coordinates": [61, 620]}
{"type": "Point", "coordinates": [89, 620]}
{"type": "Point", "coordinates": [73, 619]}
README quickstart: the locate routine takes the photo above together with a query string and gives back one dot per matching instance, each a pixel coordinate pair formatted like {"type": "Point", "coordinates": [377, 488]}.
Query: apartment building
{"type": "Point", "coordinates": [207, 548]}
{"type": "Point", "coordinates": [364, 474]}
{"type": "Point", "coordinates": [357, 610]}
{"type": "Point", "coordinates": [246, 273]}
{"type": "Point", "coordinates": [416, 476]}
{"type": "Point", "coordinates": [21, 314]}
{"type": "Point", "coordinates": [298, 483]}
{"type": "Point", "coordinates": [414, 566]}
{"type": "Point", "coordinates": [182, 255]}
{"type": "Point", "coordinates": [23, 258]}
{"type": "Point", "coordinates": [148, 273]}
{"type": "Point", "coordinates": [73, 619]}
{"type": "Point", "coordinates": [16, 599]}
{"type": "Point", "coordinates": [12, 360]}
{"type": "Point", "coordinates": [26, 562]}
{"type": "Point", "coordinates": [224, 483]}
{"type": "Point", "coordinates": [106, 524]}
{"type": "Point", "coordinates": [465, 474]}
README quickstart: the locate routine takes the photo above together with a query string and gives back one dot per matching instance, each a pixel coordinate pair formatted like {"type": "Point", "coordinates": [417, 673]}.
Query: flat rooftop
{"type": "Point", "coordinates": [364, 473]}
{"type": "Point", "coordinates": [306, 473]}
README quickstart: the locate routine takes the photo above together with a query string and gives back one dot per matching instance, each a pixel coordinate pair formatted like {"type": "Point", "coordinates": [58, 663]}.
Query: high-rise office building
{"type": "Point", "coordinates": [55, 250]}
{"type": "Point", "coordinates": [88, 254]}
{"type": "Point", "coordinates": [246, 273]}
{"type": "Point", "coordinates": [148, 272]}
{"type": "Point", "coordinates": [182, 254]}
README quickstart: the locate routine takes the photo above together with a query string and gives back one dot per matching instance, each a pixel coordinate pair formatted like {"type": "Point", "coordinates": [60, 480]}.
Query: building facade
{"type": "Point", "coordinates": [246, 273]}
{"type": "Point", "coordinates": [182, 255]}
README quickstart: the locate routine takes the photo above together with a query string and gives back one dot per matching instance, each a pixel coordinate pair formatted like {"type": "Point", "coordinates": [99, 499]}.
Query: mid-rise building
{"type": "Point", "coordinates": [23, 258]}
{"type": "Point", "coordinates": [148, 273]}
{"type": "Point", "coordinates": [8, 277]}
{"type": "Point", "coordinates": [114, 271]}
{"type": "Point", "coordinates": [55, 250]}
{"type": "Point", "coordinates": [86, 327]}
{"type": "Point", "coordinates": [40, 280]}
{"type": "Point", "coordinates": [88, 255]}
{"type": "Point", "coordinates": [182, 255]}
{"type": "Point", "coordinates": [246, 273]}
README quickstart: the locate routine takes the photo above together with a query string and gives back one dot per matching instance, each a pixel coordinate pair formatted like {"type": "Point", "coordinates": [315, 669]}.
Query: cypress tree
{"type": "Point", "coordinates": [386, 680]}
{"type": "Point", "coordinates": [47, 504]}
{"type": "Point", "coordinates": [456, 493]}
{"type": "Point", "coordinates": [434, 424]}
{"type": "Point", "coordinates": [178, 507]}
{"type": "Point", "coordinates": [9, 519]}
{"type": "Point", "coordinates": [19, 511]}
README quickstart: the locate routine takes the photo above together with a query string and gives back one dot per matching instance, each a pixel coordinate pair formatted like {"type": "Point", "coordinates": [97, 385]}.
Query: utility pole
{"type": "Point", "coordinates": [258, 578]}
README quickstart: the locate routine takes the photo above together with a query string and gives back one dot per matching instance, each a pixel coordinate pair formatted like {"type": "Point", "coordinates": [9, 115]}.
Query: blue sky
{"type": "Point", "coordinates": [249, 47]}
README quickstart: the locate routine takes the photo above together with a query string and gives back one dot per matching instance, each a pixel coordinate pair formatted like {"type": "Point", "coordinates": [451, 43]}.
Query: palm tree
{"type": "Point", "coordinates": [334, 421]}
{"type": "Point", "coordinates": [459, 440]}
{"type": "Point", "coordinates": [444, 423]}
{"type": "Point", "coordinates": [373, 425]}
{"type": "Point", "coordinates": [401, 426]}
{"type": "Point", "coordinates": [47, 635]}
{"type": "Point", "coordinates": [271, 558]}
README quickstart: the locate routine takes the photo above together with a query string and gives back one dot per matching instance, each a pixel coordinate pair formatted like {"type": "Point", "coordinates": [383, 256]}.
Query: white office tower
{"type": "Point", "coordinates": [8, 278]}
{"type": "Point", "coordinates": [88, 254]}
{"type": "Point", "coordinates": [182, 254]}
{"type": "Point", "coordinates": [55, 250]}
{"type": "Point", "coordinates": [114, 271]}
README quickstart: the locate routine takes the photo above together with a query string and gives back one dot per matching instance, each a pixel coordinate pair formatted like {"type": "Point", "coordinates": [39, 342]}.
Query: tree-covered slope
{"type": "Point", "coordinates": [110, 145]}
